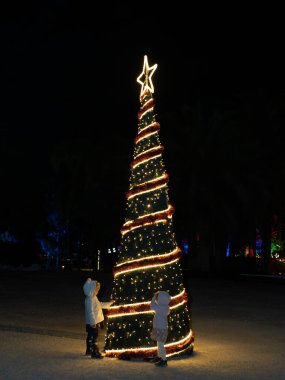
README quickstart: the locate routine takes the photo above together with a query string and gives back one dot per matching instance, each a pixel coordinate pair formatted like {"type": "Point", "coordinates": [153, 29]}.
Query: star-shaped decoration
{"type": "Point", "coordinates": [147, 73]}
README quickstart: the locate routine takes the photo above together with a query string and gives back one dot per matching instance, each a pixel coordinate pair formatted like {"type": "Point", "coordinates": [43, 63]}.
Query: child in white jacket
{"type": "Point", "coordinates": [160, 305]}
{"type": "Point", "coordinates": [93, 316]}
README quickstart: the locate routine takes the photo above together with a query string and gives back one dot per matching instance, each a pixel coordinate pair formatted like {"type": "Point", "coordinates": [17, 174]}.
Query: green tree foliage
{"type": "Point", "coordinates": [144, 244]}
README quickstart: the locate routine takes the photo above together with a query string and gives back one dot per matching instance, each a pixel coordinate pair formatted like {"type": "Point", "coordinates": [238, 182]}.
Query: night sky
{"type": "Point", "coordinates": [68, 75]}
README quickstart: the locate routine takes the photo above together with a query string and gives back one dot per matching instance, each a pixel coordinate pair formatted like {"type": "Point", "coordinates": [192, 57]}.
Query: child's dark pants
{"type": "Point", "coordinates": [91, 340]}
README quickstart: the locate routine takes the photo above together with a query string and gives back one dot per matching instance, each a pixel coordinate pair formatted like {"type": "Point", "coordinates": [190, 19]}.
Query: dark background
{"type": "Point", "coordinates": [69, 100]}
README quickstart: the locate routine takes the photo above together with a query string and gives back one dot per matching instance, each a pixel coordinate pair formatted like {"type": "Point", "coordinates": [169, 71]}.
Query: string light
{"type": "Point", "coordinates": [144, 307]}
{"type": "Point", "coordinates": [150, 266]}
{"type": "Point", "coordinates": [176, 250]}
{"type": "Point", "coordinates": [151, 150]}
{"type": "Point", "coordinates": [149, 132]}
{"type": "Point", "coordinates": [144, 112]}
{"type": "Point", "coordinates": [147, 219]}
{"type": "Point", "coordinates": [147, 262]}
{"type": "Point", "coordinates": [149, 102]}
{"type": "Point", "coordinates": [153, 124]}
{"type": "Point", "coordinates": [148, 351]}
{"type": "Point", "coordinates": [145, 156]}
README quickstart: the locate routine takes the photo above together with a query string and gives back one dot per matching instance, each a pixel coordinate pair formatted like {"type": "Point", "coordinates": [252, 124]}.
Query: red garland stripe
{"type": "Point", "coordinates": [153, 128]}
{"type": "Point", "coordinates": [145, 93]}
{"type": "Point", "coordinates": [148, 261]}
{"type": "Point", "coordinates": [152, 351]}
{"type": "Point", "coordinates": [149, 104]}
{"type": "Point", "coordinates": [147, 186]}
{"type": "Point", "coordinates": [146, 127]}
{"type": "Point", "coordinates": [149, 219]}
{"type": "Point", "coordinates": [144, 307]}
{"type": "Point", "coordinates": [147, 156]}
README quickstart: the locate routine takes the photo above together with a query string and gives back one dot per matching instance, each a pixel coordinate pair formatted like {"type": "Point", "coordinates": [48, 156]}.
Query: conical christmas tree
{"type": "Point", "coordinates": [149, 259]}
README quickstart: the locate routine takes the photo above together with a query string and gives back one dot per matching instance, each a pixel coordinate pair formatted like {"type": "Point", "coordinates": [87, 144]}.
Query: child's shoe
{"type": "Point", "coordinates": [96, 355]}
{"type": "Point", "coordinates": [161, 363]}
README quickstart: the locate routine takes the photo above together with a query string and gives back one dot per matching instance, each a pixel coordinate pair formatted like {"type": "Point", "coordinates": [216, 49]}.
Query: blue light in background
{"type": "Point", "coordinates": [185, 247]}
{"type": "Point", "coordinates": [228, 249]}
{"type": "Point", "coordinates": [258, 243]}
{"type": "Point", "coordinates": [7, 237]}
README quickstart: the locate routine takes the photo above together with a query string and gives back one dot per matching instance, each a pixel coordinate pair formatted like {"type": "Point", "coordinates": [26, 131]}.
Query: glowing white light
{"type": "Point", "coordinates": [147, 73]}
{"type": "Point", "coordinates": [130, 313]}
{"type": "Point", "coordinates": [145, 160]}
{"type": "Point", "coordinates": [144, 303]}
{"type": "Point", "coordinates": [179, 304]}
{"type": "Point", "coordinates": [147, 126]}
{"type": "Point", "coordinates": [98, 260]}
{"type": "Point", "coordinates": [155, 179]}
{"type": "Point", "coordinates": [179, 341]}
{"type": "Point", "coordinates": [150, 257]}
{"type": "Point", "coordinates": [177, 352]}
{"type": "Point", "coordinates": [130, 305]}
{"type": "Point", "coordinates": [150, 266]}
{"type": "Point", "coordinates": [161, 220]}
{"type": "Point", "coordinates": [145, 112]}
{"type": "Point", "coordinates": [147, 191]}
{"type": "Point", "coordinates": [148, 151]}
{"type": "Point", "coordinates": [143, 349]}
{"type": "Point", "coordinates": [146, 215]}
{"type": "Point", "coordinates": [147, 102]}
{"type": "Point", "coordinates": [144, 137]}
{"type": "Point", "coordinates": [122, 314]}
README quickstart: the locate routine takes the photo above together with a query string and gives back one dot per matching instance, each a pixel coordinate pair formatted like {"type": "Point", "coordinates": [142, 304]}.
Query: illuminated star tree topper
{"type": "Point", "coordinates": [147, 73]}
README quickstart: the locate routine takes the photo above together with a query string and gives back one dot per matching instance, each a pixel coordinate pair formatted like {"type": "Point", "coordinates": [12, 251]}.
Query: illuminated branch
{"type": "Point", "coordinates": [147, 127]}
{"type": "Point", "coordinates": [146, 187]}
{"type": "Point", "coordinates": [144, 307]}
{"type": "Point", "coordinates": [146, 156]}
{"type": "Point", "coordinates": [160, 216]}
{"type": "Point", "coordinates": [148, 151]}
{"type": "Point", "coordinates": [149, 257]}
{"type": "Point", "coordinates": [171, 349]}
{"type": "Point", "coordinates": [140, 115]}
{"type": "Point", "coordinates": [153, 128]}
{"type": "Point", "coordinates": [148, 266]}
{"type": "Point", "coordinates": [149, 105]}
{"type": "Point", "coordinates": [148, 102]}
{"type": "Point", "coordinates": [147, 302]}
{"type": "Point", "coordinates": [168, 210]}
{"type": "Point", "coordinates": [144, 95]}
{"type": "Point", "coordinates": [148, 262]}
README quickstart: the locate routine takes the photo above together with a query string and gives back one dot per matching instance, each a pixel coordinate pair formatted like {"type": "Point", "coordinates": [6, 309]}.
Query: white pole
{"type": "Point", "coordinates": [98, 260]}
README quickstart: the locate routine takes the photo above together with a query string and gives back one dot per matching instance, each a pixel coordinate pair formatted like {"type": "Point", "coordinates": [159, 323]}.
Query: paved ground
{"type": "Point", "coordinates": [239, 326]}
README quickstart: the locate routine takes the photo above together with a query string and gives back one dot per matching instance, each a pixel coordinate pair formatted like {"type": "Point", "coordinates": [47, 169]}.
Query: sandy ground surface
{"type": "Point", "coordinates": [239, 327]}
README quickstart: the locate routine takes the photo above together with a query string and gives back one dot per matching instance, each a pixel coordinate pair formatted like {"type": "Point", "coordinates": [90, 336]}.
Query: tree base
{"type": "Point", "coordinates": [172, 350]}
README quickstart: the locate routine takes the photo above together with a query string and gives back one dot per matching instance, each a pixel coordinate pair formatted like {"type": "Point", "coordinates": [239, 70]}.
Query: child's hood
{"type": "Point", "coordinates": [163, 298]}
{"type": "Point", "coordinates": [89, 287]}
